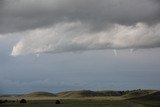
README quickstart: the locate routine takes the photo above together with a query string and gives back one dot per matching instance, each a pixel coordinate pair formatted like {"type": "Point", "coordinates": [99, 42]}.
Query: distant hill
{"type": "Point", "coordinates": [132, 94]}
{"type": "Point", "coordinates": [138, 93]}
{"type": "Point", "coordinates": [40, 94]}
{"type": "Point", "coordinates": [151, 96]}
{"type": "Point", "coordinates": [88, 93]}
{"type": "Point", "coordinates": [69, 94]}
{"type": "Point", "coordinates": [148, 94]}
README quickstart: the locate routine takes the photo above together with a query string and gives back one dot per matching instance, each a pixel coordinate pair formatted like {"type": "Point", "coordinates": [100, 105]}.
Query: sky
{"type": "Point", "coordinates": [61, 45]}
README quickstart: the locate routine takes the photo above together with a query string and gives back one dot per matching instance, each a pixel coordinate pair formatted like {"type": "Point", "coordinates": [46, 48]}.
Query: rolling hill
{"type": "Point", "coordinates": [40, 94]}
{"type": "Point", "coordinates": [88, 93]}
{"type": "Point", "coordinates": [133, 94]}
{"type": "Point", "coordinates": [138, 93]}
{"type": "Point", "coordinates": [151, 96]}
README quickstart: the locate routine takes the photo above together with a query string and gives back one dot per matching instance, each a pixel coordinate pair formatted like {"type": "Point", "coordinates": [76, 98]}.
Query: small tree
{"type": "Point", "coordinates": [57, 102]}
{"type": "Point", "coordinates": [23, 101]}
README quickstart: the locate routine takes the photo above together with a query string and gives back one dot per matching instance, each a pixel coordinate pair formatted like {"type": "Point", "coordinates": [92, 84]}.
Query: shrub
{"type": "Point", "coordinates": [57, 102]}
{"type": "Point", "coordinates": [23, 101]}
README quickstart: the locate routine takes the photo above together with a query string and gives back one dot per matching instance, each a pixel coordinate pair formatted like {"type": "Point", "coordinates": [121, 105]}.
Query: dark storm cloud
{"type": "Point", "coordinates": [21, 15]}
{"type": "Point", "coordinates": [1, 10]}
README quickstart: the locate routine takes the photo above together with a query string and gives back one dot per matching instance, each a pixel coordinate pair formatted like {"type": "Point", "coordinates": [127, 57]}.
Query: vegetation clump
{"type": "Point", "coordinates": [23, 101]}
{"type": "Point", "coordinates": [57, 102]}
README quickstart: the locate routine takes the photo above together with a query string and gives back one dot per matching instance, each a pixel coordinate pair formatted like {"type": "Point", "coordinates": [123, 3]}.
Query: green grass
{"type": "Point", "coordinates": [147, 103]}
{"type": "Point", "coordinates": [73, 103]}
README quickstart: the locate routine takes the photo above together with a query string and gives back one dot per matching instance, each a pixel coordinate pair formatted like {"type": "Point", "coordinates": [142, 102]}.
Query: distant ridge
{"type": "Point", "coordinates": [148, 94]}
{"type": "Point", "coordinates": [152, 96]}
{"type": "Point", "coordinates": [88, 93]}
{"type": "Point", "coordinates": [130, 95]}
{"type": "Point", "coordinates": [138, 93]}
{"type": "Point", "coordinates": [40, 94]}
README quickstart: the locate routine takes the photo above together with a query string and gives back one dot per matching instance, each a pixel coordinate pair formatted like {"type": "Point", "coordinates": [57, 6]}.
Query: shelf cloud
{"type": "Point", "coordinates": [75, 36]}
{"type": "Point", "coordinates": [57, 26]}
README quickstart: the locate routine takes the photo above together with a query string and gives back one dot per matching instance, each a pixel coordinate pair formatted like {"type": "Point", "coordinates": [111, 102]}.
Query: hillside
{"type": "Point", "coordinates": [143, 94]}
{"type": "Point", "coordinates": [88, 93]}
{"type": "Point", "coordinates": [40, 94]}
{"type": "Point", "coordinates": [133, 94]}
{"type": "Point", "coordinates": [152, 96]}
{"type": "Point", "coordinates": [138, 93]}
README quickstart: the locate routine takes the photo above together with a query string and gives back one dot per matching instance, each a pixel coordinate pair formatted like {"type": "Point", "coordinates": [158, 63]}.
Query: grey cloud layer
{"type": "Point", "coordinates": [20, 15]}
{"type": "Point", "coordinates": [55, 26]}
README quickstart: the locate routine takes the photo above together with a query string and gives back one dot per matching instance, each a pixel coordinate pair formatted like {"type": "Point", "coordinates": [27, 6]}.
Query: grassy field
{"type": "Point", "coordinates": [96, 102]}
{"type": "Point", "coordinates": [73, 103]}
